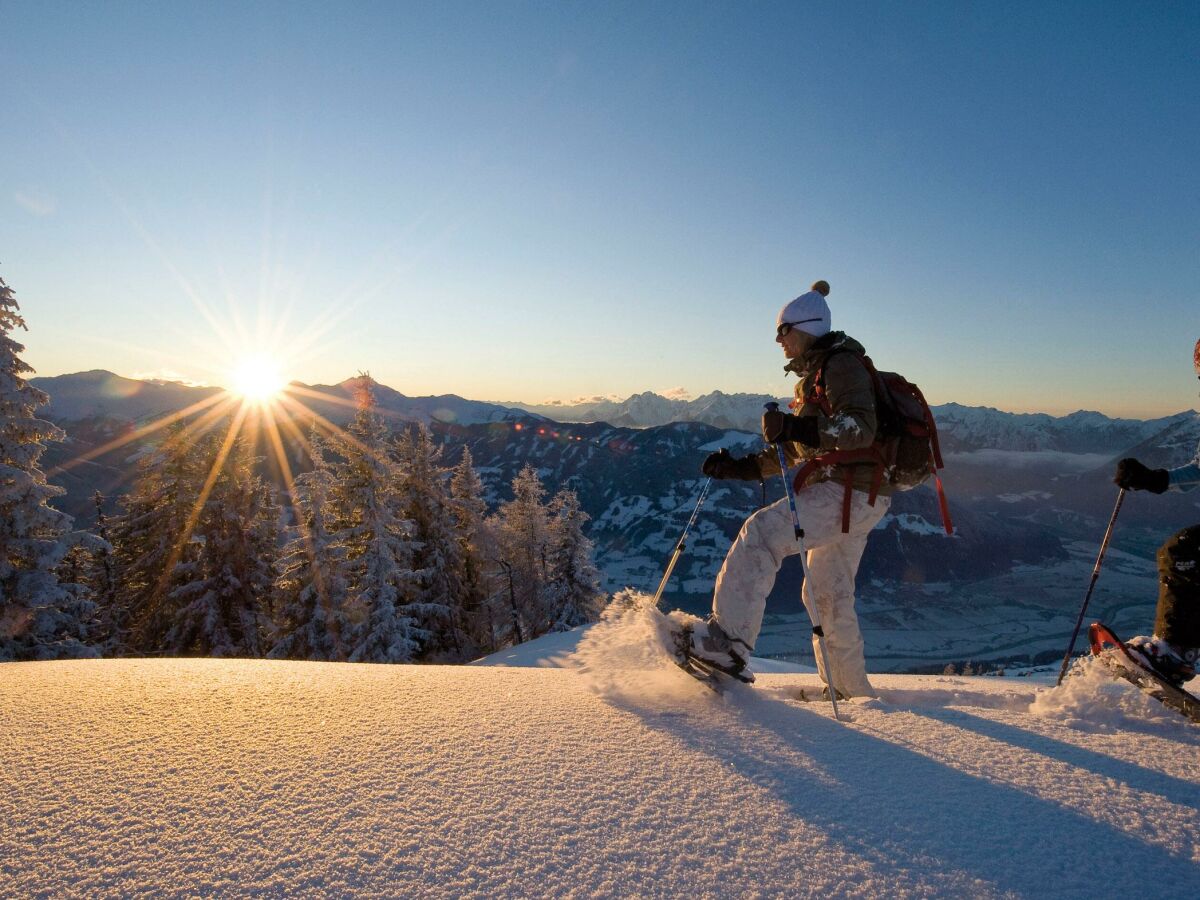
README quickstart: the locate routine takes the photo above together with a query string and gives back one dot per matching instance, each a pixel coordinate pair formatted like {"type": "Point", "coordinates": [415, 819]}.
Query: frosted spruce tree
{"type": "Point", "coordinates": [88, 563]}
{"type": "Point", "coordinates": [223, 599]}
{"type": "Point", "coordinates": [313, 620]}
{"type": "Point", "coordinates": [104, 584]}
{"type": "Point", "coordinates": [521, 530]}
{"type": "Point", "coordinates": [378, 542]}
{"type": "Point", "coordinates": [436, 550]}
{"type": "Point", "coordinates": [151, 541]}
{"type": "Point", "coordinates": [573, 595]}
{"type": "Point", "coordinates": [40, 616]}
{"type": "Point", "coordinates": [469, 511]}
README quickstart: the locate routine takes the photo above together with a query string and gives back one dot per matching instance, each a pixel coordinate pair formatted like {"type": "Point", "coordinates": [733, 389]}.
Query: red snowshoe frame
{"type": "Point", "coordinates": [1110, 648]}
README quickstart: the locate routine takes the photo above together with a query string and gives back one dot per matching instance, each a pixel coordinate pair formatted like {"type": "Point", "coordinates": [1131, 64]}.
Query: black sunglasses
{"type": "Point", "coordinates": [786, 327]}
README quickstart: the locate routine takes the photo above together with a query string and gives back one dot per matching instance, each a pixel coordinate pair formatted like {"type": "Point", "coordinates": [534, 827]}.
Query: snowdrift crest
{"type": "Point", "coordinates": [1092, 699]}
{"type": "Point", "coordinates": [627, 658]}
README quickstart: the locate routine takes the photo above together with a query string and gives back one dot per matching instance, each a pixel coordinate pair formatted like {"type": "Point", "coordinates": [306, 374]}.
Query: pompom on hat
{"type": "Point", "coordinates": [809, 312]}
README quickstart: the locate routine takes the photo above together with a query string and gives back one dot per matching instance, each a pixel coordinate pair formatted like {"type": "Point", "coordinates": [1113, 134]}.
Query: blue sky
{"type": "Point", "coordinates": [533, 201]}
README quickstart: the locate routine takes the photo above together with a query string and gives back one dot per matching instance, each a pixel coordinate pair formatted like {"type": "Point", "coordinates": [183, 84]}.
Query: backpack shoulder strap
{"type": "Point", "coordinates": [817, 394]}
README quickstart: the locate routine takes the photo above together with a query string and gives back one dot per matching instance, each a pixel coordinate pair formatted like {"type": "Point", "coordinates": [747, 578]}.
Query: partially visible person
{"type": "Point", "coordinates": [1174, 649]}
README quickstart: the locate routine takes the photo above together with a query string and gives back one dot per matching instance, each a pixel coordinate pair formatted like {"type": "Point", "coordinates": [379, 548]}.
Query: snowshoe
{"type": "Point", "coordinates": [1130, 665]}
{"type": "Point", "coordinates": [689, 646]}
{"type": "Point", "coordinates": [706, 676]}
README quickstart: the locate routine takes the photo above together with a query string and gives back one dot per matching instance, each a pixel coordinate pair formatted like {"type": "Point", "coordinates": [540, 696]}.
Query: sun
{"type": "Point", "coordinates": [257, 379]}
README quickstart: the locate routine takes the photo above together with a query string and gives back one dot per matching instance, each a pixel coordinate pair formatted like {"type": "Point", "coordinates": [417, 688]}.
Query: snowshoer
{"type": "Point", "coordinates": [1174, 649]}
{"type": "Point", "coordinates": [844, 420]}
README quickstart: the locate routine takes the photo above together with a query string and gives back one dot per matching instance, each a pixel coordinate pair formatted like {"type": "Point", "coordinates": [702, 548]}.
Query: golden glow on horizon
{"type": "Point", "coordinates": [257, 379]}
{"type": "Point", "coordinates": [256, 407]}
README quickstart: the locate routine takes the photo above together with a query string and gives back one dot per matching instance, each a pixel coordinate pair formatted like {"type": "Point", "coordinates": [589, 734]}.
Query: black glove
{"type": "Point", "coordinates": [778, 426]}
{"type": "Point", "coordinates": [1133, 476]}
{"type": "Point", "coordinates": [721, 465]}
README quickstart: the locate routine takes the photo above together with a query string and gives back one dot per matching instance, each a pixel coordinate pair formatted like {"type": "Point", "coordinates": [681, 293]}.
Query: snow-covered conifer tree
{"type": "Point", "coordinates": [378, 542]}
{"type": "Point", "coordinates": [436, 548]}
{"type": "Point", "coordinates": [150, 541]}
{"type": "Point", "coordinates": [224, 599]}
{"type": "Point", "coordinates": [313, 621]}
{"type": "Point", "coordinates": [88, 563]}
{"type": "Point", "coordinates": [522, 532]}
{"type": "Point", "coordinates": [104, 585]}
{"type": "Point", "coordinates": [75, 566]}
{"type": "Point", "coordinates": [40, 616]}
{"type": "Point", "coordinates": [469, 510]}
{"type": "Point", "coordinates": [573, 594]}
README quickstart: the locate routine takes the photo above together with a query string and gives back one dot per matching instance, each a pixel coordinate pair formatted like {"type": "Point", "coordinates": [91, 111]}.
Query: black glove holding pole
{"type": "Point", "coordinates": [1133, 476]}
{"type": "Point", "coordinates": [779, 426]}
{"type": "Point", "coordinates": [721, 465]}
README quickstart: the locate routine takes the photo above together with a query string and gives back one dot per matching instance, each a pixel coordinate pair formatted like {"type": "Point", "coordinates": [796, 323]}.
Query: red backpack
{"type": "Point", "coordinates": [905, 452]}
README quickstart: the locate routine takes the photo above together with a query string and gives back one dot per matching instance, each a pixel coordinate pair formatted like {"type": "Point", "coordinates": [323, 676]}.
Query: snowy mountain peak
{"type": "Point", "coordinates": [102, 394]}
{"type": "Point", "coordinates": [1173, 445]}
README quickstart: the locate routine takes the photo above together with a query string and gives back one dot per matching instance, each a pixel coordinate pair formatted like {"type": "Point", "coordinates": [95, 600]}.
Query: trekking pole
{"type": "Point", "coordinates": [812, 613]}
{"type": "Point", "coordinates": [1095, 574]}
{"type": "Point", "coordinates": [679, 548]}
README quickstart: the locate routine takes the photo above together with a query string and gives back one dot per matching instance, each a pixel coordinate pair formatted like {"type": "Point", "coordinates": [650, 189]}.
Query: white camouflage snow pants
{"type": "Point", "coordinates": [831, 562]}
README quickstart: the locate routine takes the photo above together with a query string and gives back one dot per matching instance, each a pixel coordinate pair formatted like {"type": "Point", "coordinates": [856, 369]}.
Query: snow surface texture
{"type": "Point", "coordinates": [238, 777]}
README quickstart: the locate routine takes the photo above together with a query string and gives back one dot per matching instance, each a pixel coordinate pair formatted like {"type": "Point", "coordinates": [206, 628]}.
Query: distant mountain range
{"type": "Point", "coordinates": [965, 428]}
{"type": "Point", "coordinates": [962, 428]}
{"type": "Point", "coordinates": [101, 394]}
{"type": "Point", "coordinates": [645, 410]}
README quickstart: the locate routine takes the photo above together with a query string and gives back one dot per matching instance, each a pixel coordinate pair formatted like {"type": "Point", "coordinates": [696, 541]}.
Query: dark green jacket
{"type": "Point", "coordinates": [851, 396]}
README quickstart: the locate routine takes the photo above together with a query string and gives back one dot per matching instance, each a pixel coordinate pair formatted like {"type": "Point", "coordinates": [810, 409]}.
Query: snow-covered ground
{"type": "Point", "coordinates": [201, 777]}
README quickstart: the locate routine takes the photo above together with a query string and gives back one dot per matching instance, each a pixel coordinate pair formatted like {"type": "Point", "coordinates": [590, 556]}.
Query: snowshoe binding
{"type": "Point", "coordinates": [1172, 664]}
{"type": "Point", "coordinates": [1128, 663]}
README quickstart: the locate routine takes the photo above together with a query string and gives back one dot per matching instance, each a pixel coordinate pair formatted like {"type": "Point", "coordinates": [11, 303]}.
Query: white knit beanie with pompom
{"type": "Point", "coordinates": [809, 312]}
